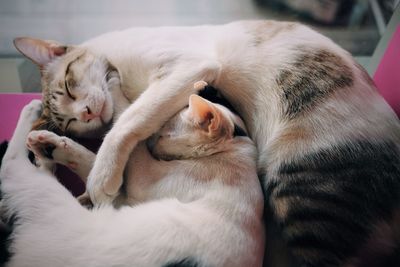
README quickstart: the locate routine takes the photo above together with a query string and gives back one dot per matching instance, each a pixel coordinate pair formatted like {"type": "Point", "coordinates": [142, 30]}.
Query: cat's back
{"type": "Point", "coordinates": [174, 40]}
{"type": "Point", "coordinates": [202, 40]}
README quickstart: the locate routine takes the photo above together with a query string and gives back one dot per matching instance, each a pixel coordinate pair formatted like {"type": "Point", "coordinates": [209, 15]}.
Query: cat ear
{"type": "Point", "coordinates": [39, 51]}
{"type": "Point", "coordinates": [204, 113]}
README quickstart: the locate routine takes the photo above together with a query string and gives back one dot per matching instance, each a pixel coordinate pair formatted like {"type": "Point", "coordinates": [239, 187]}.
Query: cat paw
{"type": "Point", "coordinates": [48, 146]}
{"type": "Point", "coordinates": [99, 197]}
{"type": "Point", "coordinates": [200, 85]}
{"type": "Point", "coordinates": [52, 147]}
{"type": "Point", "coordinates": [31, 112]}
{"type": "Point", "coordinates": [103, 192]}
{"type": "Point", "coordinates": [42, 143]}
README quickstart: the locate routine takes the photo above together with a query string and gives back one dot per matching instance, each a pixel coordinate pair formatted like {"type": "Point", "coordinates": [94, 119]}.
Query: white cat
{"type": "Point", "coordinates": [306, 103]}
{"type": "Point", "coordinates": [202, 210]}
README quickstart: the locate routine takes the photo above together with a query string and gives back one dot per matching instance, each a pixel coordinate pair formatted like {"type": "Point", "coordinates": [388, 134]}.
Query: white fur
{"type": "Point", "coordinates": [191, 218]}
{"type": "Point", "coordinates": [162, 63]}
{"type": "Point", "coordinates": [157, 67]}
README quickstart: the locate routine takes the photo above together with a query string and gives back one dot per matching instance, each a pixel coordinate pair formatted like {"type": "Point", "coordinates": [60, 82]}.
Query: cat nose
{"type": "Point", "coordinates": [88, 115]}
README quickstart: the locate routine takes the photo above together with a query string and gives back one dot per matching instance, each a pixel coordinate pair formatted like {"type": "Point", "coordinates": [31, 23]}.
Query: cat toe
{"type": "Point", "coordinates": [31, 112]}
{"type": "Point", "coordinates": [41, 143]}
{"type": "Point", "coordinates": [100, 198]}
{"type": "Point", "coordinates": [200, 85]}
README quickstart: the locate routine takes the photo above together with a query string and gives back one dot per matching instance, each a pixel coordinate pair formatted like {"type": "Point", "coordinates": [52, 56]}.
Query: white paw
{"type": "Point", "coordinates": [99, 197]}
{"type": "Point", "coordinates": [43, 143]}
{"type": "Point", "coordinates": [50, 147]}
{"type": "Point", "coordinates": [99, 190]}
{"type": "Point", "coordinates": [31, 112]}
{"type": "Point", "coordinates": [200, 85]}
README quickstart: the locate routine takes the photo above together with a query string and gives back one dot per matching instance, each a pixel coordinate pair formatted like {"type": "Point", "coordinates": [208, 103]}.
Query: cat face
{"type": "Point", "coordinates": [201, 129]}
{"type": "Point", "coordinates": [76, 87]}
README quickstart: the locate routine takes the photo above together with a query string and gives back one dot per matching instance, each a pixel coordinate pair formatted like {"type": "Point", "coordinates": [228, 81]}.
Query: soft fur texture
{"type": "Point", "coordinates": [321, 129]}
{"type": "Point", "coordinates": [186, 211]}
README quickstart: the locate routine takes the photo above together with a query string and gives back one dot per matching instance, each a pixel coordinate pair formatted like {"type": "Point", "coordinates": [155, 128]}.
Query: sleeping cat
{"type": "Point", "coordinates": [328, 144]}
{"type": "Point", "coordinates": [50, 149]}
{"type": "Point", "coordinates": [187, 210]}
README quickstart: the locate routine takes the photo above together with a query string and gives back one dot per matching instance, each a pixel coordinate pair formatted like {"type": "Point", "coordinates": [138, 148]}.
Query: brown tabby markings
{"type": "Point", "coordinates": [51, 119]}
{"type": "Point", "coordinates": [315, 75]}
{"type": "Point", "coordinates": [269, 29]}
{"type": "Point", "coordinates": [293, 135]}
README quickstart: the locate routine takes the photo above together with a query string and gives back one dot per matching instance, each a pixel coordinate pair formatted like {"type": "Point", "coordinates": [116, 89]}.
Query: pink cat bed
{"type": "Point", "coordinates": [10, 107]}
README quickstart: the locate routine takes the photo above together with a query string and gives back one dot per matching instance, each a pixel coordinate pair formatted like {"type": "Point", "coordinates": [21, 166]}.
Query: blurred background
{"type": "Point", "coordinates": [356, 25]}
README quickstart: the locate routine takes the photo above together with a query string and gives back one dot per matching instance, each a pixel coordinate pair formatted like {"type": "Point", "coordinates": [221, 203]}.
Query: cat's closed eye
{"type": "Point", "coordinates": [66, 84]}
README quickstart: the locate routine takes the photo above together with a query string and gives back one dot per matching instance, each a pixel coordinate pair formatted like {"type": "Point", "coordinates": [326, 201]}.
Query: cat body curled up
{"type": "Point", "coordinates": [327, 142]}
{"type": "Point", "coordinates": [185, 212]}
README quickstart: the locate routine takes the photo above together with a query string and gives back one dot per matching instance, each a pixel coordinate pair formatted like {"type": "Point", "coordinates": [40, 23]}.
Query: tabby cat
{"type": "Point", "coordinates": [328, 144]}
{"type": "Point", "coordinates": [186, 210]}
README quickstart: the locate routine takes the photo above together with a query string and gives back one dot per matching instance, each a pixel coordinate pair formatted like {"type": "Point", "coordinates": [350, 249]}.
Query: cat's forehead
{"type": "Point", "coordinates": [77, 59]}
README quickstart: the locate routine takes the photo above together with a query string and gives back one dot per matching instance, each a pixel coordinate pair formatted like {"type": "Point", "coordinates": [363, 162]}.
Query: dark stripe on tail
{"type": "Point", "coordinates": [327, 202]}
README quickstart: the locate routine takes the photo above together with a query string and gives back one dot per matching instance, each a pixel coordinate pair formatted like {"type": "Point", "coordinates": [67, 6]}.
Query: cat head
{"type": "Point", "coordinates": [76, 87]}
{"type": "Point", "coordinates": [201, 129]}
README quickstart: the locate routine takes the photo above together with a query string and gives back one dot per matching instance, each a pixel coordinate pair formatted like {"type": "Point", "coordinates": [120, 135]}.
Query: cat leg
{"type": "Point", "coordinates": [158, 103]}
{"type": "Point", "coordinates": [16, 153]}
{"type": "Point", "coordinates": [27, 189]}
{"type": "Point", "coordinates": [49, 146]}
{"type": "Point", "coordinates": [16, 147]}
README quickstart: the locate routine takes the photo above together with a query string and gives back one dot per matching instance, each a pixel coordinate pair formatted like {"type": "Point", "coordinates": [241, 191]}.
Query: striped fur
{"type": "Point", "coordinates": [329, 201]}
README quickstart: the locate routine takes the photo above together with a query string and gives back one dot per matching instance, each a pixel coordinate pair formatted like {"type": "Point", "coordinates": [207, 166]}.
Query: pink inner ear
{"type": "Point", "coordinates": [201, 110]}
{"type": "Point", "coordinates": [39, 51]}
{"type": "Point", "coordinates": [206, 119]}
{"type": "Point", "coordinates": [59, 50]}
